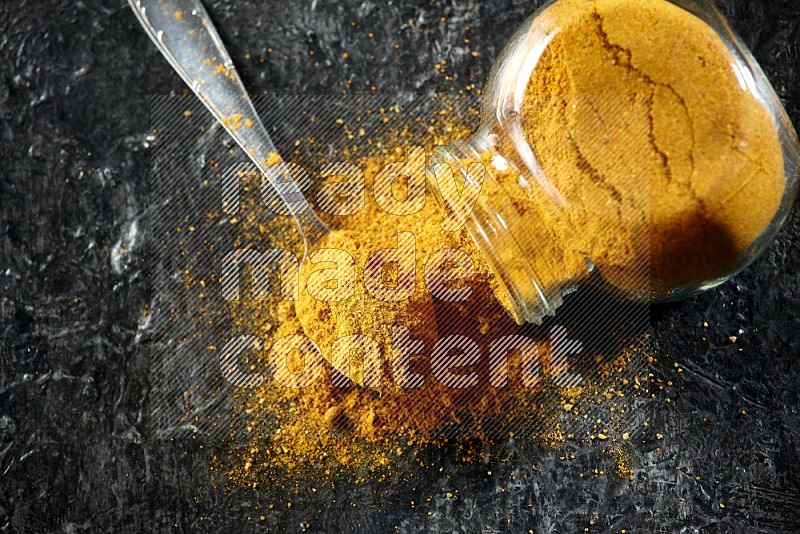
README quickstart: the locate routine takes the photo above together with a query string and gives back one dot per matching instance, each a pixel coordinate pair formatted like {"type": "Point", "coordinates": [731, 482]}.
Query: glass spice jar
{"type": "Point", "coordinates": [635, 142]}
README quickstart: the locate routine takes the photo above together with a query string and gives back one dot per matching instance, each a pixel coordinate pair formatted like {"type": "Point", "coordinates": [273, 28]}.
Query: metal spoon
{"type": "Point", "coordinates": [185, 35]}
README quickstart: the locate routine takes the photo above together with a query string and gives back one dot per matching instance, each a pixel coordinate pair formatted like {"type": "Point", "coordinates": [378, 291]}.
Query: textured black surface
{"type": "Point", "coordinates": [75, 82]}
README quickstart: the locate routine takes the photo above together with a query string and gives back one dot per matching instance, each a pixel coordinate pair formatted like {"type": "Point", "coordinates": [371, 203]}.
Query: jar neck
{"type": "Point", "coordinates": [529, 290]}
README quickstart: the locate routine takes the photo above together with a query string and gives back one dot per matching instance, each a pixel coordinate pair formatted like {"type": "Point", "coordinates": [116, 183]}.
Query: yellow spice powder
{"type": "Point", "coordinates": [325, 426]}
{"type": "Point", "coordinates": [638, 117]}
{"type": "Point", "coordinates": [602, 92]}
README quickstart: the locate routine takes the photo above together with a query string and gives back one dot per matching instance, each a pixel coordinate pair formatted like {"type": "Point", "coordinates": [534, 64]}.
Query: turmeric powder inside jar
{"type": "Point", "coordinates": [653, 159]}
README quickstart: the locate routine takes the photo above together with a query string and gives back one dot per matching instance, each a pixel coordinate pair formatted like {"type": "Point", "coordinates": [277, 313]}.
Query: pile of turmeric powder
{"type": "Point", "coordinates": [334, 424]}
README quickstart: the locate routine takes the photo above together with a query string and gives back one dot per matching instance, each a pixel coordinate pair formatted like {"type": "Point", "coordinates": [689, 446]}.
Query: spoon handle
{"type": "Point", "coordinates": [185, 35]}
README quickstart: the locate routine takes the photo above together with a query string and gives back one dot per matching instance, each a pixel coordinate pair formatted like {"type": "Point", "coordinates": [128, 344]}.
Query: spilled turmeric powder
{"type": "Point", "coordinates": [334, 425]}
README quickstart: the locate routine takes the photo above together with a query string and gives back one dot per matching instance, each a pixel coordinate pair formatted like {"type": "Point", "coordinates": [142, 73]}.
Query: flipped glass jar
{"type": "Point", "coordinates": [637, 141]}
